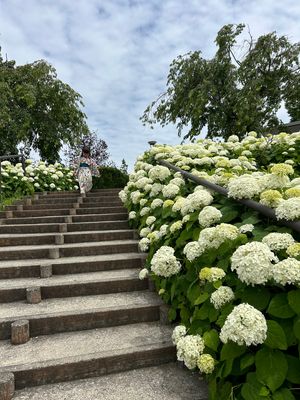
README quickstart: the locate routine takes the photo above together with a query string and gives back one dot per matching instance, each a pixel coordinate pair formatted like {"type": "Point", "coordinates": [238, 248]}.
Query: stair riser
{"type": "Point", "coordinates": [70, 238]}
{"type": "Point", "coordinates": [96, 204]}
{"type": "Point", "coordinates": [47, 325]}
{"type": "Point", "coordinates": [6, 229]}
{"type": "Point", "coordinates": [28, 229]}
{"type": "Point", "coordinates": [40, 213]}
{"type": "Point", "coordinates": [100, 210]}
{"type": "Point", "coordinates": [56, 206]}
{"type": "Point", "coordinates": [105, 217]}
{"type": "Point", "coordinates": [79, 218]}
{"type": "Point", "coordinates": [79, 369]}
{"type": "Point", "coordinates": [79, 289]}
{"type": "Point", "coordinates": [74, 268]}
{"type": "Point", "coordinates": [68, 252]}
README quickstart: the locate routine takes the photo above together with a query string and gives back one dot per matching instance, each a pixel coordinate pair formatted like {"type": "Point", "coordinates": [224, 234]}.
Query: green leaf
{"type": "Point", "coordinates": [251, 389]}
{"type": "Point", "coordinates": [283, 394]}
{"type": "Point", "coordinates": [211, 339]}
{"type": "Point", "coordinates": [194, 292]}
{"type": "Point", "coordinates": [196, 233]}
{"type": "Point", "coordinates": [228, 215]}
{"type": "Point", "coordinates": [296, 328]}
{"type": "Point", "coordinates": [279, 306]}
{"type": "Point", "coordinates": [271, 367]}
{"type": "Point", "coordinates": [275, 336]}
{"type": "Point", "coordinates": [294, 300]}
{"type": "Point", "coordinates": [293, 374]}
{"type": "Point", "coordinates": [247, 361]}
{"type": "Point", "coordinates": [232, 350]}
{"type": "Point", "coordinates": [201, 299]}
{"type": "Point", "coordinates": [172, 314]}
{"type": "Point", "coordinates": [257, 297]}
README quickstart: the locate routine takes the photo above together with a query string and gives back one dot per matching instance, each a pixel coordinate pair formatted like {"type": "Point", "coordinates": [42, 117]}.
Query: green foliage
{"type": "Point", "coordinates": [38, 109]}
{"type": "Point", "coordinates": [231, 95]}
{"type": "Point", "coordinates": [110, 177]}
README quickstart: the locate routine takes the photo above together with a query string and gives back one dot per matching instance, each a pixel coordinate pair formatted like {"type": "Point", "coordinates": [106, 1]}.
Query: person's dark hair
{"type": "Point", "coordinates": [85, 150]}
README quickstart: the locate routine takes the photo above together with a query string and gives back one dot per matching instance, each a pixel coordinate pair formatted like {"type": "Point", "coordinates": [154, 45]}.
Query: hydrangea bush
{"type": "Point", "coordinates": [230, 275]}
{"type": "Point", "coordinates": [38, 177]}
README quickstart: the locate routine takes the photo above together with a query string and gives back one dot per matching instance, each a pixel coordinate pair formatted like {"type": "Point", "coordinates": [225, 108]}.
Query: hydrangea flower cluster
{"type": "Point", "coordinates": [245, 325]}
{"type": "Point", "coordinates": [222, 296]}
{"type": "Point", "coordinates": [164, 262]}
{"type": "Point", "coordinates": [189, 349]}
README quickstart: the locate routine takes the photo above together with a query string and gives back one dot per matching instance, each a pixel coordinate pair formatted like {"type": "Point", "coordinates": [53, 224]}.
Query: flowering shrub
{"type": "Point", "coordinates": [38, 177]}
{"type": "Point", "coordinates": [230, 275]}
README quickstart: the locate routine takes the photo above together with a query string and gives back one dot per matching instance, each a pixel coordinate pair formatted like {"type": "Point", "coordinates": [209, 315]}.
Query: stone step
{"type": "Point", "coordinates": [68, 237]}
{"type": "Point", "coordinates": [84, 284]}
{"type": "Point", "coordinates": [95, 204]}
{"type": "Point", "coordinates": [163, 382]}
{"type": "Point", "coordinates": [68, 250]}
{"type": "Point", "coordinates": [100, 210]}
{"type": "Point", "coordinates": [71, 265]}
{"type": "Point", "coordinates": [81, 313]}
{"type": "Point", "coordinates": [62, 219]}
{"type": "Point", "coordinates": [54, 200]}
{"type": "Point", "coordinates": [41, 213]}
{"type": "Point", "coordinates": [83, 354]}
{"type": "Point", "coordinates": [73, 227]}
{"type": "Point", "coordinates": [104, 199]}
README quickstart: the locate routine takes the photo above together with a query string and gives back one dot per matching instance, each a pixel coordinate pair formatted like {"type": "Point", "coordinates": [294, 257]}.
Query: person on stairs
{"type": "Point", "coordinates": [86, 167]}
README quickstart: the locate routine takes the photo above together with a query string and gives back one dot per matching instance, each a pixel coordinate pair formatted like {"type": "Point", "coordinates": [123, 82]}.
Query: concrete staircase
{"type": "Point", "coordinates": [69, 274]}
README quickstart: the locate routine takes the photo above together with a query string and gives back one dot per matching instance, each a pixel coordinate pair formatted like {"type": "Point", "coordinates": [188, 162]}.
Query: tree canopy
{"type": "Point", "coordinates": [38, 109]}
{"type": "Point", "coordinates": [231, 94]}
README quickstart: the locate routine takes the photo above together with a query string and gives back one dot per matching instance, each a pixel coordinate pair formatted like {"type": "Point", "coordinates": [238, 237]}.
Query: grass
{"type": "Point", "coordinates": [7, 201]}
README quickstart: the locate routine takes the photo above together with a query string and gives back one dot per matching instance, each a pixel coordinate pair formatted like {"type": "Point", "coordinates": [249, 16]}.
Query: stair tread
{"type": "Point", "coordinates": [63, 348]}
{"type": "Point", "coordinates": [70, 279]}
{"type": "Point", "coordinates": [84, 304]}
{"type": "Point", "coordinates": [70, 260]}
{"type": "Point", "coordinates": [164, 382]}
{"type": "Point", "coordinates": [67, 245]}
{"type": "Point", "coordinates": [34, 235]}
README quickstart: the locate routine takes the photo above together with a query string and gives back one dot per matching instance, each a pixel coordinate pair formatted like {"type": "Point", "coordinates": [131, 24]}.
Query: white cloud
{"type": "Point", "coordinates": [116, 53]}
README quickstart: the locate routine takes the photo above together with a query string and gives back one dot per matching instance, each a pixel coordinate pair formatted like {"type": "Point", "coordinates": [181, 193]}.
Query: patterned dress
{"type": "Point", "coordinates": [86, 168]}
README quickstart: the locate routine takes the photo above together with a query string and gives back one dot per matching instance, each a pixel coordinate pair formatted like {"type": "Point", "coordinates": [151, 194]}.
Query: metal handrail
{"type": "Point", "coordinates": [267, 211]}
{"type": "Point", "coordinates": [12, 156]}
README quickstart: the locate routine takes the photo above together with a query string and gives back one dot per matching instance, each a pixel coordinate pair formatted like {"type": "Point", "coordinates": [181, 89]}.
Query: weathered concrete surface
{"type": "Point", "coordinates": [165, 382]}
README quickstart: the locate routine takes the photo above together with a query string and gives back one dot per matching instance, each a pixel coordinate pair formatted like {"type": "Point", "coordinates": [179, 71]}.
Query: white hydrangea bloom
{"type": "Point", "coordinates": [164, 262]}
{"type": "Point", "coordinates": [135, 197]}
{"type": "Point", "coordinates": [189, 349]}
{"type": "Point", "coordinates": [246, 228]}
{"type": "Point", "coordinates": [209, 215]}
{"type": "Point", "coordinates": [178, 204]}
{"type": "Point", "coordinates": [206, 363]}
{"type": "Point", "coordinates": [132, 214]}
{"type": "Point", "coordinates": [278, 241]}
{"type": "Point", "coordinates": [150, 220]}
{"type": "Point", "coordinates": [154, 236]}
{"type": "Point", "coordinates": [273, 181]}
{"type": "Point", "coordinates": [196, 201]}
{"type": "Point", "coordinates": [178, 332]}
{"type": "Point", "coordinates": [142, 182]}
{"type": "Point", "coordinates": [163, 230]}
{"type": "Point", "coordinates": [287, 272]}
{"type": "Point", "coordinates": [145, 211]}
{"type": "Point", "coordinates": [233, 138]}
{"type": "Point", "coordinates": [253, 263]}
{"type": "Point", "coordinates": [156, 189]}
{"type": "Point", "coordinates": [223, 295]}
{"type": "Point", "coordinates": [144, 244]}
{"type": "Point", "coordinates": [192, 250]}
{"type": "Point", "coordinates": [176, 226]}
{"type": "Point", "coordinates": [145, 232]}
{"type": "Point", "coordinates": [52, 186]}
{"type": "Point", "coordinates": [143, 202]}
{"type": "Point", "coordinates": [156, 203]}
{"type": "Point", "coordinates": [288, 209]}
{"type": "Point", "coordinates": [243, 187]}
{"type": "Point", "coordinates": [159, 172]}
{"type": "Point", "coordinates": [170, 191]}
{"type": "Point", "coordinates": [212, 238]}
{"type": "Point", "coordinates": [143, 273]}
{"type": "Point", "coordinates": [245, 325]}
{"type": "Point", "coordinates": [177, 181]}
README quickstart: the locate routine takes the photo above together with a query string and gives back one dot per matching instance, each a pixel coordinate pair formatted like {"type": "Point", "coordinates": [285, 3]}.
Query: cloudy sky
{"type": "Point", "coordinates": [116, 53]}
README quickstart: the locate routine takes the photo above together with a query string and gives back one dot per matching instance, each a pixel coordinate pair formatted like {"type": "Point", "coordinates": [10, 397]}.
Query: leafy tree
{"type": "Point", "coordinates": [124, 167]}
{"type": "Point", "coordinates": [231, 94]}
{"type": "Point", "coordinates": [38, 109]}
{"type": "Point", "coordinates": [98, 148]}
